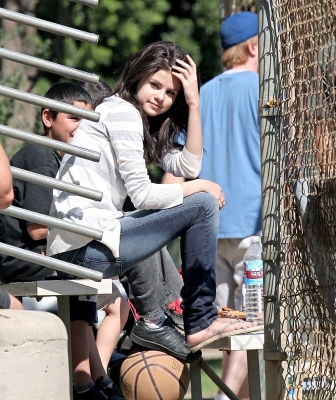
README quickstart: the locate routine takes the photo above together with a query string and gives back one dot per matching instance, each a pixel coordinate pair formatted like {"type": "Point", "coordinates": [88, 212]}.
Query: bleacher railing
{"type": "Point", "coordinates": [41, 101]}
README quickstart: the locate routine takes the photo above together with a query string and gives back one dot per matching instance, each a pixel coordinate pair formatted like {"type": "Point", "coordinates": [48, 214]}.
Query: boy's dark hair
{"type": "Point", "coordinates": [68, 93]}
{"type": "Point", "coordinates": [98, 91]}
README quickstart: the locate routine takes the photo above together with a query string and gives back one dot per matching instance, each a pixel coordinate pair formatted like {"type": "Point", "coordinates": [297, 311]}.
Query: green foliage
{"type": "Point", "coordinates": [6, 104]}
{"type": "Point", "coordinates": [209, 388]}
{"type": "Point", "coordinates": [13, 81]}
{"type": "Point", "coordinates": [123, 27]}
{"type": "Point", "coordinates": [155, 173]}
{"type": "Point", "coordinates": [206, 35]}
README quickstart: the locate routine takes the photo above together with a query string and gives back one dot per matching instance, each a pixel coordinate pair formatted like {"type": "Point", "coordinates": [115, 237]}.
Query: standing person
{"type": "Point", "coordinates": [155, 97]}
{"type": "Point", "coordinates": [231, 141]}
{"type": "Point", "coordinates": [6, 197]}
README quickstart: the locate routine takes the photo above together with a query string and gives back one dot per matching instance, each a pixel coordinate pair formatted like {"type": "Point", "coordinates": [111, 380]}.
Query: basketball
{"type": "Point", "coordinates": [153, 375]}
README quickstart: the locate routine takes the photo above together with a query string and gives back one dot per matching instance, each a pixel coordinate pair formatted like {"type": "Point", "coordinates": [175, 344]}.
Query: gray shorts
{"type": "Point", "coordinates": [230, 271]}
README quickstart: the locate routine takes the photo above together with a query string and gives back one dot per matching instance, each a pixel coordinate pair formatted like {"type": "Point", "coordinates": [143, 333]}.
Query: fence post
{"type": "Point", "coordinates": [270, 170]}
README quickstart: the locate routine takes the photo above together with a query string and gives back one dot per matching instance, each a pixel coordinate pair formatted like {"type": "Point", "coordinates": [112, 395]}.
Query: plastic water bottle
{"type": "Point", "coordinates": [243, 295]}
{"type": "Point", "coordinates": [253, 281]}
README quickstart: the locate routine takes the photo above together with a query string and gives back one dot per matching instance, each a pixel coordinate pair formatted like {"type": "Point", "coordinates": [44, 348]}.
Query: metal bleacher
{"type": "Point", "coordinates": [91, 282]}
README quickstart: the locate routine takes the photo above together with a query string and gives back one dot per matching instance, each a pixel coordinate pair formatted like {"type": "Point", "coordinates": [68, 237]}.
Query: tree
{"type": "Point", "coordinates": [123, 27]}
{"type": "Point", "coordinates": [18, 38]}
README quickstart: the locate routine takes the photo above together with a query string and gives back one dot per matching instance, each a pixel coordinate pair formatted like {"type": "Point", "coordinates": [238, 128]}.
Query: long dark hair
{"type": "Point", "coordinates": [159, 131]}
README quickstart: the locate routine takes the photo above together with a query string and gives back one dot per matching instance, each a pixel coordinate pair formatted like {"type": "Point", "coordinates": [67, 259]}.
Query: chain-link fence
{"type": "Point", "coordinates": [297, 109]}
{"type": "Point", "coordinates": [307, 278]}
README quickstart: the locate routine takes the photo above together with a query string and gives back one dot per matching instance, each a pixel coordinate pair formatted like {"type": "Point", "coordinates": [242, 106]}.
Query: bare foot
{"type": "Point", "coordinates": [221, 327]}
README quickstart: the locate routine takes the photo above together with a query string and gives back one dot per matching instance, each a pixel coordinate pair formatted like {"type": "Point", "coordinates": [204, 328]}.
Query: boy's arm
{"type": "Point", "coordinates": [6, 186]}
{"type": "Point", "coordinates": [37, 231]}
{"type": "Point", "coordinates": [37, 198]}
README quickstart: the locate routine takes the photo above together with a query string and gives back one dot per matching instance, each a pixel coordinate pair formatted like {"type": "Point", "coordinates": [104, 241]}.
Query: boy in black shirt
{"type": "Point", "coordinates": [29, 196]}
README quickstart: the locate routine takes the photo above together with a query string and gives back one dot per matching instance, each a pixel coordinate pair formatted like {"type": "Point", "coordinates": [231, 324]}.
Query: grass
{"type": "Point", "coordinates": [209, 389]}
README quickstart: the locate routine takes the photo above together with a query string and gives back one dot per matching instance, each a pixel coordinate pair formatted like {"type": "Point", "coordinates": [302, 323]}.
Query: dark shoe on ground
{"type": "Point", "coordinates": [93, 394]}
{"type": "Point", "coordinates": [166, 339]}
{"type": "Point", "coordinates": [113, 393]}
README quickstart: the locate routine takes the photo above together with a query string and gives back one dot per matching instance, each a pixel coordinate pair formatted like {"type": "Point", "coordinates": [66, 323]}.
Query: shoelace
{"type": "Point", "coordinates": [174, 309]}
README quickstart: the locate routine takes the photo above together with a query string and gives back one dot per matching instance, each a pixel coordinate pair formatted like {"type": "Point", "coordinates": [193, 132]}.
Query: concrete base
{"type": "Point", "coordinates": [33, 356]}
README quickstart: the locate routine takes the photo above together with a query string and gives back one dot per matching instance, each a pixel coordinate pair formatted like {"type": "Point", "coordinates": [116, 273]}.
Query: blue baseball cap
{"type": "Point", "coordinates": [238, 28]}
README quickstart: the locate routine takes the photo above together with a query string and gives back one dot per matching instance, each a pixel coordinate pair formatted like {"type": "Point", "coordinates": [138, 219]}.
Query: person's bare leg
{"type": "Point", "coordinates": [96, 367]}
{"type": "Point", "coordinates": [80, 352]}
{"type": "Point", "coordinates": [234, 373]}
{"type": "Point", "coordinates": [15, 303]}
{"type": "Point", "coordinates": [230, 270]}
{"type": "Point", "coordinates": [110, 328]}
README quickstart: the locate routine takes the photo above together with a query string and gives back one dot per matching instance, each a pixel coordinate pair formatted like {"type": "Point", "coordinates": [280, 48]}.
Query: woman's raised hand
{"type": "Point", "coordinates": [187, 74]}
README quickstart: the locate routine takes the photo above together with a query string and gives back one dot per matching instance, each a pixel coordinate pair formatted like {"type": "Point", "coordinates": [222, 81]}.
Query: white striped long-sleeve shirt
{"type": "Point", "coordinates": [121, 171]}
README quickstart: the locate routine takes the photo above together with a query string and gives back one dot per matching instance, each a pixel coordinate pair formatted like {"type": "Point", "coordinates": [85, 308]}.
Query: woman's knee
{"type": "Point", "coordinates": [211, 201]}
{"type": "Point", "coordinates": [207, 202]}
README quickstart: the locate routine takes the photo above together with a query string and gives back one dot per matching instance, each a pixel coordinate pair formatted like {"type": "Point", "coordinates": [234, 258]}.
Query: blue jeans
{"type": "Point", "coordinates": [143, 233]}
{"type": "Point", "coordinates": [153, 284]}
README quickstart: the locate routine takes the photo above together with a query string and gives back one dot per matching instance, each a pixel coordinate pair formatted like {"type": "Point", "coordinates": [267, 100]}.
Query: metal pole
{"type": "Point", "coordinates": [46, 220]}
{"type": "Point", "coordinates": [270, 170]}
{"type": "Point", "coordinates": [50, 143]}
{"type": "Point", "coordinates": [52, 183]}
{"type": "Point", "coordinates": [48, 66]}
{"type": "Point", "coordinates": [48, 103]}
{"type": "Point", "coordinates": [49, 26]}
{"type": "Point", "coordinates": [50, 262]}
